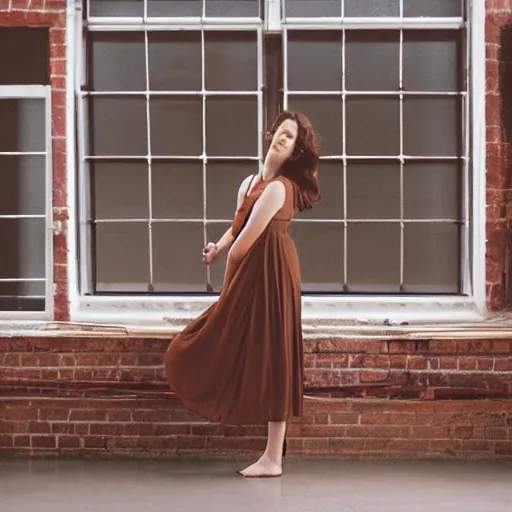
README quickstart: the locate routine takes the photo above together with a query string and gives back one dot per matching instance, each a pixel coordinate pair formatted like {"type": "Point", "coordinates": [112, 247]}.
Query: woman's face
{"type": "Point", "coordinates": [283, 141]}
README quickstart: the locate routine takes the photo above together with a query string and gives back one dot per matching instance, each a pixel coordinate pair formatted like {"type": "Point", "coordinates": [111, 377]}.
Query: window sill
{"type": "Point", "coordinates": [319, 313]}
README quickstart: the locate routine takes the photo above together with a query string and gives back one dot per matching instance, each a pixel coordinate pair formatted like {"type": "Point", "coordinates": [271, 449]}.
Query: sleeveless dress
{"type": "Point", "coordinates": [241, 361]}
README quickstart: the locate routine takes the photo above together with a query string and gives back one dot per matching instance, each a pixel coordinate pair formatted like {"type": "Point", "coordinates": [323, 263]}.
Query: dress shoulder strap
{"type": "Point", "coordinates": [250, 185]}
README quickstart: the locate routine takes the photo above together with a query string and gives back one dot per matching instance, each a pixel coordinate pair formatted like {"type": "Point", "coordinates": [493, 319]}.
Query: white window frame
{"type": "Point", "coordinates": [171, 312]}
{"type": "Point", "coordinates": [42, 92]}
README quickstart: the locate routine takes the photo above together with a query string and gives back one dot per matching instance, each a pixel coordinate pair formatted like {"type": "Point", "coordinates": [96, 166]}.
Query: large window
{"type": "Point", "coordinates": [174, 100]}
{"type": "Point", "coordinates": [25, 170]}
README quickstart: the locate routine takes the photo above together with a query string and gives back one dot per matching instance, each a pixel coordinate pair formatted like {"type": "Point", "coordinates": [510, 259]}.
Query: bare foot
{"type": "Point", "coordinates": [264, 467]}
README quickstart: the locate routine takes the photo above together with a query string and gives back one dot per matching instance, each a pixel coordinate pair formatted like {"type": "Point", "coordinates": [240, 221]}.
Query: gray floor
{"type": "Point", "coordinates": [308, 485]}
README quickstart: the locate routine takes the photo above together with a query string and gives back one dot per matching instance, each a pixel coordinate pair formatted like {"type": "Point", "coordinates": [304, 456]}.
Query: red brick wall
{"type": "Point", "coordinates": [499, 227]}
{"type": "Point", "coordinates": [153, 426]}
{"type": "Point", "coordinates": [52, 14]}
{"type": "Point", "coordinates": [421, 369]}
{"type": "Point", "coordinates": [107, 395]}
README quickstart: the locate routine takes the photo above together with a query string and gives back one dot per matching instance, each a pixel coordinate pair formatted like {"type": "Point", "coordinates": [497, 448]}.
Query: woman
{"type": "Point", "coordinates": [240, 362]}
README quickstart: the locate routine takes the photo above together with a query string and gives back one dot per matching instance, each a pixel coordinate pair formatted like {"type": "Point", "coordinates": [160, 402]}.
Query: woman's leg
{"type": "Point", "coordinates": [271, 462]}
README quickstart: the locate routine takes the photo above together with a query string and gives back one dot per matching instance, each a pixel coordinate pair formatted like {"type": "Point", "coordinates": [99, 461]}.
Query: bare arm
{"type": "Point", "coordinates": [270, 202]}
{"type": "Point", "coordinates": [211, 251]}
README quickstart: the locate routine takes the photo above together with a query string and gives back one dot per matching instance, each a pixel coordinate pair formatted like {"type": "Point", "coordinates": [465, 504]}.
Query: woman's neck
{"type": "Point", "coordinates": [270, 170]}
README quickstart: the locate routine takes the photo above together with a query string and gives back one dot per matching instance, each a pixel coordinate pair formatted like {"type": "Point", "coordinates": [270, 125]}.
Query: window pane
{"type": "Point", "coordinates": [177, 190]}
{"type": "Point", "coordinates": [432, 61]}
{"type": "Point", "coordinates": [373, 190]}
{"type": "Point", "coordinates": [231, 61]}
{"type": "Point", "coordinates": [26, 45]}
{"type": "Point", "coordinates": [431, 258]}
{"type": "Point", "coordinates": [330, 176]}
{"type": "Point", "coordinates": [432, 126]}
{"type": "Point", "coordinates": [177, 257]}
{"type": "Point", "coordinates": [432, 8]}
{"type": "Point", "coordinates": [372, 8]}
{"type": "Point", "coordinates": [175, 61]}
{"type": "Point", "coordinates": [372, 60]}
{"type": "Point", "coordinates": [373, 126]}
{"type": "Point", "coordinates": [177, 8]}
{"type": "Point", "coordinates": [325, 116]}
{"type": "Point", "coordinates": [321, 270]}
{"type": "Point", "coordinates": [22, 185]}
{"type": "Point", "coordinates": [22, 296]}
{"type": "Point", "coordinates": [432, 190]}
{"type": "Point", "coordinates": [122, 257]}
{"type": "Point", "coordinates": [218, 269]}
{"type": "Point", "coordinates": [26, 256]}
{"type": "Point", "coordinates": [232, 126]}
{"type": "Point", "coordinates": [176, 126]}
{"type": "Point", "coordinates": [373, 257]}
{"type": "Point", "coordinates": [117, 61]}
{"type": "Point", "coordinates": [314, 61]}
{"type": "Point", "coordinates": [22, 126]}
{"type": "Point", "coordinates": [232, 8]}
{"type": "Point", "coordinates": [118, 126]}
{"type": "Point", "coordinates": [223, 179]}
{"type": "Point", "coordinates": [120, 190]}
{"type": "Point", "coordinates": [312, 8]}
{"type": "Point", "coordinates": [117, 8]}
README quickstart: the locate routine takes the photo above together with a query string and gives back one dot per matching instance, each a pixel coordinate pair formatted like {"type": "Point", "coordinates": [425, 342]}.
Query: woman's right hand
{"type": "Point", "coordinates": [210, 253]}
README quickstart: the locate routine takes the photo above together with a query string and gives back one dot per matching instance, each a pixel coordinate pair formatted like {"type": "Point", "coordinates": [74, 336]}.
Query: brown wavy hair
{"type": "Point", "coordinates": [302, 166]}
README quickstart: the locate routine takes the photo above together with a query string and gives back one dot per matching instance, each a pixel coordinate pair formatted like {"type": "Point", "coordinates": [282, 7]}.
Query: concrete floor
{"type": "Point", "coordinates": [309, 485]}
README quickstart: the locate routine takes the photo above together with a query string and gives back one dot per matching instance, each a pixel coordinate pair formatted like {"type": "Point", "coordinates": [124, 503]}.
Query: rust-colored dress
{"type": "Point", "coordinates": [241, 361]}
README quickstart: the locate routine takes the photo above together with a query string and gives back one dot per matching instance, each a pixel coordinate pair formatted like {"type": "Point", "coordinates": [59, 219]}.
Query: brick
{"type": "Point", "coordinates": [445, 446]}
{"type": "Point", "coordinates": [368, 418]}
{"type": "Point", "coordinates": [95, 442]}
{"type": "Point", "coordinates": [88, 415]}
{"type": "Point", "coordinates": [6, 440]}
{"type": "Point", "coordinates": [68, 442]}
{"type": "Point", "coordinates": [498, 5]}
{"type": "Point", "coordinates": [408, 445]}
{"type": "Point", "coordinates": [493, 134]}
{"type": "Point", "coordinates": [61, 427]}
{"type": "Point", "coordinates": [21, 441]}
{"type": "Point", "coordinates": [19, 4]}
{"type": "Point", "coordinates": [346, 444]}
{"type": "Point", "coordinates": [315, 444]}
{"type": "Point", "coordinates": [497, 433]}
{"type": "Point", "coordinates": [463, 432]}
{"type": "Point", "coordinates": [373, 376]}
{"type": "Point", "coordinates": [493, 109]}
{"type": "Point", "coordinates": [153, 416]}
{"type": "Point", "coordinates": [448, 363]}
{"type": "Point", "coordinates": [503, 448]}
{"type": "Point", "coordinates": [467, 363]}
{"type": "Point", "coordinates": [43, 441]}
{"type": "Point", "coordinates": [37, 5]}
{"type": "Point", "coordinates": [343, 418]}
{"type": "Point", "coordinates": [20, 413]}
{"type": "Point", "coordinates": [57, 68]}
{"type": "Point", "coordinates": [492, 51]}
{"type": "Point", "coordinates": [376, 361]}
{"type": "Point", "coordinates": [485, 364]}
{"type": "Point", "coordinates": [119, 415]}
{"type": "Point", "coordinates": [477, 445]}
{"type": "Point", "coordinates": [503, 365]}
{"type": "Point", "coordinates": [377, 431]}
{"type": "Point", "coordinates": [56, 4]}
{"type": "Point", "coordinates": [492, 76]}
{"type": "Point", "coordinates": [416, 363]}
{"type": "Point", "coordinates": [430, 432]}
